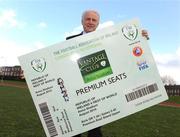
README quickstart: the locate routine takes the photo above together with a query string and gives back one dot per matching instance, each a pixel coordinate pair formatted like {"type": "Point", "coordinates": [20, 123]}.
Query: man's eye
{"type": "Point", "coordinates": [88, 19]}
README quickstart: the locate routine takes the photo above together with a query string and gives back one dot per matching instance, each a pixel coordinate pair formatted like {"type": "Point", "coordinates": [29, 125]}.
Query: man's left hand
{"type": "Point", "coordinates": [145, 34]}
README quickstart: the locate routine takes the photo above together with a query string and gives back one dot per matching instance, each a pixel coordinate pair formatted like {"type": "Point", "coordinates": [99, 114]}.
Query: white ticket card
{"type": "Point", "coordinates": [93, 79]}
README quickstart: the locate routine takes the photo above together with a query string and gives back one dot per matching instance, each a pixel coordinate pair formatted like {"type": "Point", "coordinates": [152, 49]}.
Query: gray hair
{"type": "Point", "coordinates": [85, 12]}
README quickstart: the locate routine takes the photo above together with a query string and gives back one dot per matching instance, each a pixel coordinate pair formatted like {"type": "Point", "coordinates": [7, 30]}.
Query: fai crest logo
{"type": "Point", "coordinates": [38, 65]}
{"type": "Point", "coordinates": [130, 32]}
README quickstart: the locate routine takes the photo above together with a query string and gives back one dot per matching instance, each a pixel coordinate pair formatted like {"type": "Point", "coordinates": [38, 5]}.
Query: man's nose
{"type": "Point", "coordinates": [90, 21]}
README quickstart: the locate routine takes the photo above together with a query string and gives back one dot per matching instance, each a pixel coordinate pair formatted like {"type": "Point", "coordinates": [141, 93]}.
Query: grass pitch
{"type": "Point", "coordinates": [19, 118]}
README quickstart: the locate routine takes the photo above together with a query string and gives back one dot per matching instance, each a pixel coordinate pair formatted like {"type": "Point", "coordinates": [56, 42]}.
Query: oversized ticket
{"type": "Point", "coordinates": [93, 79]}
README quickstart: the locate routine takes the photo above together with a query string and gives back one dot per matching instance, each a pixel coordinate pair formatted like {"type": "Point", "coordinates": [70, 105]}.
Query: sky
{"type": "Point", "coordinates": [29, 25]}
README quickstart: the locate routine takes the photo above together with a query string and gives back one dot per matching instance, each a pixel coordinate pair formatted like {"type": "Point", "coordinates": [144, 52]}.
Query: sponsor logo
{"type": "Point", "coordinates": [130, 32]}
{"type": "Point", "coordinates": [63, 89]}
{"type": "Point", "coordinates": [94, 66]}
{"type": "Point", "coordinates": [137, 51]}
{"type": "Point", "coordinates": [142, 65]}
{"type": "Point", "coordinates": [39, 65]}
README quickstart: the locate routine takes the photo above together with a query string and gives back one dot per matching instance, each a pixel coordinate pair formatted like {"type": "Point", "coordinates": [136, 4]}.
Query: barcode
{"type": "Point", "coordinates": [48, 119]}
{"type": "Point", "coordinates": [141, 92]}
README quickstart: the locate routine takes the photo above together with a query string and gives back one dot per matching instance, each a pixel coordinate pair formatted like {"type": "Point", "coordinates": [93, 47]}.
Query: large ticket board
{"type": "Point", "coordinates": [93, 79]}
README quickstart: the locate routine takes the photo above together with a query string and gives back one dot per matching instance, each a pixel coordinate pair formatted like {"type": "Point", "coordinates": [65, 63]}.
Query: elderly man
{"type": "Point", "coordinates": [90, 21]}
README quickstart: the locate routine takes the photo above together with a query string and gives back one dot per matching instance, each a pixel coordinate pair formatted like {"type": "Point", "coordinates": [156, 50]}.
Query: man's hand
{"type": "Point", "coordinates": [145, 34]}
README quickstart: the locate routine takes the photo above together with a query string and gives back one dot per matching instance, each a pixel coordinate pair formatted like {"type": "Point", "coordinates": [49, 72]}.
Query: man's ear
{"type": "Point", "coordinates": [82, 21]}
{"type": "Point", "coordinates": [98, 24]}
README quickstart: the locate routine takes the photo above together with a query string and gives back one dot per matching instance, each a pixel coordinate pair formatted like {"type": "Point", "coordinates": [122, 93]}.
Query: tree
{"type": "Point", "coordinates": [168, 80]}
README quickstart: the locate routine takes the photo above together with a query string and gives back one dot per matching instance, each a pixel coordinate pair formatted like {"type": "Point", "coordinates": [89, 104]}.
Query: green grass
{"type": "Point", "coordinates": [156, 121]}
{"type": "Point", "coordinates": [174, 99]}
{"type": "Point", "coordinates": [18, 118]}
{"type": "Point", "coordinates": [14, 82]}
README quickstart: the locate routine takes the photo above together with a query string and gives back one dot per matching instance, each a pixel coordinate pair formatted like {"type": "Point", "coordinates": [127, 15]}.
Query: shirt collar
{"type": "Point", "coordinates": [83, 32]}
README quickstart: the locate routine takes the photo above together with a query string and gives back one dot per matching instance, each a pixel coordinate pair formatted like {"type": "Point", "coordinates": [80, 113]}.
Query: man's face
{"type": "Point", "coordinates": [90, 22]}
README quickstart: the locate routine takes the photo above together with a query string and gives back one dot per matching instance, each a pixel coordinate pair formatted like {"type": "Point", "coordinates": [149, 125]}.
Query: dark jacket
{"type": "Point", "coordinates": [70, 37]}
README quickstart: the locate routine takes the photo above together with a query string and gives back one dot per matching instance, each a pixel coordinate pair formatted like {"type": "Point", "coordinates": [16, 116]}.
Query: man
{"type": "Point", "coordinates": [90, 21]}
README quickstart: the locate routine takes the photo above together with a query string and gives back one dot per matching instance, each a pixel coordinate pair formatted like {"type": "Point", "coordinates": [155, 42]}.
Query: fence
{"type": "Point", "coordinates": [173, 90]}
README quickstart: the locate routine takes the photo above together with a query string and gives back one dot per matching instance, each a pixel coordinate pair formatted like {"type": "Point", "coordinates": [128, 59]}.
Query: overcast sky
{"type": "Point", "coordinates": [28, 25]}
